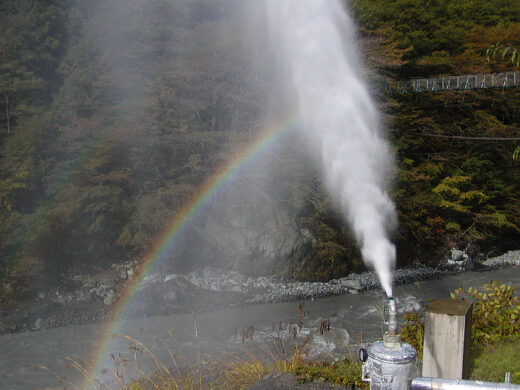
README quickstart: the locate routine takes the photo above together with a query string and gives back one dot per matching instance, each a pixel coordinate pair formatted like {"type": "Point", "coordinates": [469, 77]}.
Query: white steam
{"type": "Point", "coordinates": [315, 42]}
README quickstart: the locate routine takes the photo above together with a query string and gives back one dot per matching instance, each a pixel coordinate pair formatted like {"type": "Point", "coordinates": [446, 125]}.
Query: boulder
{"type": "Point", "coordinates": [329, 342]}
{"type": "Point", "coordinates": [456, 255]}
{"type": "Point", "coordinates": [352, 284]}
{"type": "Point", "coordinates": [110, 298]}
{"type": "Point", "coordinates": [38, 324]}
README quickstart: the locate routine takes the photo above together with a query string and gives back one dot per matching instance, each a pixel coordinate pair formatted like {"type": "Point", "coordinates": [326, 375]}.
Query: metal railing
{"type": "Point", "coordinates": [422, 383]}
{"type": "Point", "coordinates": [448, 83]}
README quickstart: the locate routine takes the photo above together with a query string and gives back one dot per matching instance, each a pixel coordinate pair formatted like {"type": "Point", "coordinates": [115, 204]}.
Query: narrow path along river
{"type": "Point", "coordinates": [220, 332]}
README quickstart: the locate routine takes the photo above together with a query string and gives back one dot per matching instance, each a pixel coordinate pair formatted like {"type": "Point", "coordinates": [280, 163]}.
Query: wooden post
{"type": "Point", "coordinates": [447, 339]}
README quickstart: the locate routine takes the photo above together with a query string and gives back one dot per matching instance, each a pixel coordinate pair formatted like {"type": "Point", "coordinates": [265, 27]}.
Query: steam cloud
{"type": "Point", "coordinates": [315, 42]}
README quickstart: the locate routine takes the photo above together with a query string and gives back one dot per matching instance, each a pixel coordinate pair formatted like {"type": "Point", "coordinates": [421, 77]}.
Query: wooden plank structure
{"type": "Point", "coordinates": [447, 339]}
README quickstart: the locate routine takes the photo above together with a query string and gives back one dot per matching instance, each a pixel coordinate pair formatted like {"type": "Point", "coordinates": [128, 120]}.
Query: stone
{"type": "Point", "coordinates": [469, 265]}
{"type": "Point", "coordinates": [38, 324]}
{"type": "Point", "coordinates": [353, 284]}
{"type": "Point", "coordinates": [328, 342]}
{"type": "Point", "coordinates": [456, 255]}
{"type": "Point", "coordinates": [110, 298]}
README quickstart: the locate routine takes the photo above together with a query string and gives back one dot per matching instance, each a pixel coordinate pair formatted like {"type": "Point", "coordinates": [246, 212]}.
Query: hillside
{"type": "Point", "coordinates": [114, 113]}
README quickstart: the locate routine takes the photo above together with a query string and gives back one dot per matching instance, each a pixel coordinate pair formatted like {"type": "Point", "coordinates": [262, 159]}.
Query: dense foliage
{"type": "Point", "coordinates": [495, 316]}
{"type": "Point", "coordinates": [495, 331]}
{"type": "Point", "coordinates": [496, 312]}
{"type": "Point", "coordinates": [112, 113]}
{"type": "Point", "coordinates": [450, 191]}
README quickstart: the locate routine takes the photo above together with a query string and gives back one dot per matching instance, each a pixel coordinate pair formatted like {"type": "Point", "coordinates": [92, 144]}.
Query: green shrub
{"type": "Point", "coordinates": [496, 312]}
{"type": "Point", "coordinates": [496, 317]}
{"type": "Point", "coordinates": [412, 332]}
{"type": "Point", "coordinates": [344, 373]}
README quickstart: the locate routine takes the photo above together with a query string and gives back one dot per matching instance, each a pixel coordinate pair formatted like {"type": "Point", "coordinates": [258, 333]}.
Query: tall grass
{"type": "Point", "coordinates": [235, 372]}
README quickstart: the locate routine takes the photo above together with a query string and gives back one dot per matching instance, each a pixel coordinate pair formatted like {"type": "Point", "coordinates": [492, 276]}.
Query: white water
{"type": "Point", "coordinates": [315, 42]}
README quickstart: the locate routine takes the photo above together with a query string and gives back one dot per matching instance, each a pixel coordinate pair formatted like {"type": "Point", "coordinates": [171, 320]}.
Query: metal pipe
{"type": "Point", "coordinates": [392, 317]}
{"type": "Point", "coordinates": [424, 383]}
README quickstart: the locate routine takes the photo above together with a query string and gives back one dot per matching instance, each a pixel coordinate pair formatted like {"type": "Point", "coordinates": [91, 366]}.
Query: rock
{"type": "Point", "coordinates": [110, 298]}
{"type": "Point", "coordinates": [353, 284]}
{"type": "Point", "coordinates": [331, 341]}
{"type": "Point", "coordinates": [469, 266]}
{"type": "Point", "coordinates": [170, 277]}
{"type": "Point", "coordinates": [353, 291]}
{"type": "Point", "coordinates": [456, 255]}
{"type": "Point", "coordinates": [38, 324]}
{"type": "Point", "coordinates": [509, 258]}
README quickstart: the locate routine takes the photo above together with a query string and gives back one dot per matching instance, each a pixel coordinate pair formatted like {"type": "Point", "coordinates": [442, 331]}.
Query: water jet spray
{"type": "Point", "coordinates": [315, 41]}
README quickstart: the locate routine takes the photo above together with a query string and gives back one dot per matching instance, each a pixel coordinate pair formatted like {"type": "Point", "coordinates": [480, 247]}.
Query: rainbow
{"type": "Point", "coordinates": [166, 243]}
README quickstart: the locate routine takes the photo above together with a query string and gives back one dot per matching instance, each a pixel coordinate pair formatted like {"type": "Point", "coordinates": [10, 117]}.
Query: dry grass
{"type": "Point", "coordinates": [233, 372]}
{"type": "Point", "coordinates": [237, 372]}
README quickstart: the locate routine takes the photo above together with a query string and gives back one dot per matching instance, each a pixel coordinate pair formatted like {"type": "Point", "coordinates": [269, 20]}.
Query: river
{"type": "Point", "coordinates": [220, 332]}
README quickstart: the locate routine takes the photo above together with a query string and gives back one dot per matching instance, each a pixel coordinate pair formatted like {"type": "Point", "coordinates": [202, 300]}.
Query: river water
{"type": "Point", "coordinates": [220, 332]}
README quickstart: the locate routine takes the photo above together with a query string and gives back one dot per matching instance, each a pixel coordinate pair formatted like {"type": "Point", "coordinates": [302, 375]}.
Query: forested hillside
{"type": "Point", "coordinates": [450, 191]}
{"type": "Point", "coordinates": [112, 113]}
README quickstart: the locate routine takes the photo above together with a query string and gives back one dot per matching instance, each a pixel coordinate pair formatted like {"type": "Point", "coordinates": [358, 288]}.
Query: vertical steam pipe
{"type": "Point", "coordinates": [392, 338]}
{"type": "Point", "coordinates": [392, 317]}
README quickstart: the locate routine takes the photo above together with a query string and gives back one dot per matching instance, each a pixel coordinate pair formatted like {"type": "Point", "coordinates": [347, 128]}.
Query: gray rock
{"type": "Point", "coordinates": [353, 284]}
{"type": "Point", "coordinates": [456, 255]}
{"type": "Point", "coordinates": [330, 342]}
{"type": "Point", "coordinates": [38, 324]}
{"type": "Point", "coordinates": [509, 258]}
{"type": "Point", "coordinates": [110, 298]}
{"type": "Point", "coordinates": [469, 266]}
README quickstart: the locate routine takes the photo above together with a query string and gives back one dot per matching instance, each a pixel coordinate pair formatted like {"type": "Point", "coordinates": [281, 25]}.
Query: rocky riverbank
{"type": "Point", "coordinates": [84, 299]}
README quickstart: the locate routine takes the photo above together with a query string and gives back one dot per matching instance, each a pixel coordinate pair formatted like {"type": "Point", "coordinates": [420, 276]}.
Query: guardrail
{"type": "Point", "coordinates": [448, 83]}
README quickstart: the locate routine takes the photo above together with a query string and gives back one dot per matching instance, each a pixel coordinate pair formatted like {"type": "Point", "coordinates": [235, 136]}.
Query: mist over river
{"type": "Point", "coordinates": [220, 332]}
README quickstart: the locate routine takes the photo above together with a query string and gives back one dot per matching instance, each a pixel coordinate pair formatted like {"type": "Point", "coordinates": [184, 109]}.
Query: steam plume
{"type": "Point", "coordinates": [315, 41]}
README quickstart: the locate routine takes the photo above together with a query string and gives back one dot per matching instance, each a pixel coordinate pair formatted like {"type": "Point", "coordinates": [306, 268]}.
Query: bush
{"type": "Point", "coordinates": [412, 332]}
{"type": "Point", "coordinates": [343, 373]}
{"type": "Point", "coordinates": [496, 316]}
{"type": "Point", "coordinates": [496, 312]}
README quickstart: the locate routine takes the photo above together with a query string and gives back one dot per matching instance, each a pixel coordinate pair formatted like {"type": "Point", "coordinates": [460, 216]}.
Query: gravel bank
{"type": "Point", "coordinates": [353, 284]}
{"type": "Point", "coordinates": [509, 258]}
{"type": "Point", "coordinates": [208, 289]}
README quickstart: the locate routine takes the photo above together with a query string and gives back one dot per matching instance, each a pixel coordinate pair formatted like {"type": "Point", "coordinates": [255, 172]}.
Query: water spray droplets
{"type": "Point", "coordinates": [315, 42]}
